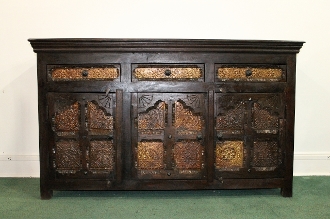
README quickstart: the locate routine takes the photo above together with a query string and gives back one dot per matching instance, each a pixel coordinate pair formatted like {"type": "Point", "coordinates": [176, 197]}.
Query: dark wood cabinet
{"type": "Point", "coordinates": [165, 114]}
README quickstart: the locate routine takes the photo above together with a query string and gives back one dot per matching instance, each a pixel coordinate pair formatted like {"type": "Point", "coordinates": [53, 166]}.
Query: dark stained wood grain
{"type": "Point", "coordinates": [265, 109]}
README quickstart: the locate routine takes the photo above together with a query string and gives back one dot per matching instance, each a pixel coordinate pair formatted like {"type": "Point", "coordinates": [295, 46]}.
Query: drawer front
{"type": "Point", "coordinates": [61, 73]}
{"type": "Point", "coordinates": [250, 73]}
{"type": "Point", "coordinates": [168, 72]}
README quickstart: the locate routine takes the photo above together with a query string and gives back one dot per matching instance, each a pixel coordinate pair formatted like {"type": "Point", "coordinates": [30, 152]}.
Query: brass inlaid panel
{"type": "Point", "coordinates": [263, 121]}
{"type": "Point", "coordinates": [67, 119]}
{"type": "Point", "coordinates": [233, 119]}
{"type": "Point", "coordinates": [184, 118]}
{"type": "Point", "coordinates": [68, 156]}
{"type": "Point", "coordinates": [150, 155]}
{"type": "Point", "coordinates": [97, 120]}
{"type": "Point", "coordinates": [265, 155]}
{"type": "Point", "coordinates": [72, 74]}
{"type": "Point", "coordinates": [229, 155]}
{"type": "Point", "coordinates": [154, 73]}
{"type": "Point", "coordinates": [102, 155]}
{"type": "Point", "coordinates": [266, 113]}
{"type": "Point", "coordinates": [249, 74]}
{"type": "Point", "coordinates": [154, 118]}
{"type": "Point", "coordinates": [188, 155]}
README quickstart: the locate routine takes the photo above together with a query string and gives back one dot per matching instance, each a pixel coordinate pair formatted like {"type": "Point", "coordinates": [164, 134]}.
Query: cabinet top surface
{"type": "Point", "coordinates": [163, 45]}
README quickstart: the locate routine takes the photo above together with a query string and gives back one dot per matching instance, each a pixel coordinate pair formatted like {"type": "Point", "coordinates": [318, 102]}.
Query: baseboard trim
{"type": "Point", "coordinates": [325, 156]}
{"type": "Point", "coordinates": [19, 157]}
{"type": "Point", "coordinates": [311, 164]}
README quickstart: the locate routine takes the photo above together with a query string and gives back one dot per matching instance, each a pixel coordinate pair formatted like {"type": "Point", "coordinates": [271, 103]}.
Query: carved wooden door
{"type": "Point", "coordinates": [168, 135]}
{"type": "Point", "coordinates": [249, 135]}
{"type": "Point", "coordinates": [84, 140]}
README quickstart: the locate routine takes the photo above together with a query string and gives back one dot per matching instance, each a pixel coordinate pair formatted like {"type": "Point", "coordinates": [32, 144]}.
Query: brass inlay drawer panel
{"type": "Point", "coordinates": [161, 73]}
{"type": "Point", "coordinates": [229, 73]}
{"type": "Point", "coordinates": [78, 74]}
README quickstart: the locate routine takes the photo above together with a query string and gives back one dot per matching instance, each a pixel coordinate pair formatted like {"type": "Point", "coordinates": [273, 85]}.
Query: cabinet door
{"type": "Point", "coordinates": [249, 135]}
{"type": "Point", "coordinates": [168, 135]}
{"type": "Point", "coordinates": [85, 138]}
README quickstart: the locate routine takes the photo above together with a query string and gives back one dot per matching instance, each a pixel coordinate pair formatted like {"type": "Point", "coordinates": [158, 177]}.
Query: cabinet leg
{"type": "Point", "coordinates": [286, 191]}
{"type": "Point", "coordinates": [46, 194]}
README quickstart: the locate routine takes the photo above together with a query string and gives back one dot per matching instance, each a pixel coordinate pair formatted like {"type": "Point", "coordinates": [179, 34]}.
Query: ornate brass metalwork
{"type": "Point", "coordinates": [154, 73]}
{"type": "Point", "coordinates": [68, 156]}
{"type": "Point", "coordinates": [263, 121]}
{"type": "Point", "coordinates": [150, 155]}
{"type": "Point", "coordinates": [97, 73]}
{"type": "Point", "coordinates": [97, 120]}
{"type": "Point", "coordinates": [255, 74]}
{"type": "Point", "coordinates": [154, 118]}
{"type": "Point", "coordinates": [185, 119]}
{"type": "Point", "coordinates": [102, 155]}
{"type": "Point", "coordinates": [233, 119]}
{"type": "Point", "coordinates": [188, 155]}
{"type": "Point", "coordinates": [266, 155]}
{"type": "Point", "coordinates": [67, 119]}
{"type": "Point", "coordinates": [229, 155]}
{"type": "Point", "coordinates": [265, 115]}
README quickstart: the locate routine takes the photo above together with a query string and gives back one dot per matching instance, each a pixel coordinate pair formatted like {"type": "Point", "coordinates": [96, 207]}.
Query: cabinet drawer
{"type": "Point", "coordinates": [168, 72]}
{"type": "Point", "coordinates": [250, 73]}
{"type": "Point", "coordinates": [64, 73]}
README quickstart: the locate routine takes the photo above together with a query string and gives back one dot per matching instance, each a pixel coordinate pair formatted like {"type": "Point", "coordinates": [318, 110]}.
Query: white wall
{"type": "Point", "coordinates": [302, 20]}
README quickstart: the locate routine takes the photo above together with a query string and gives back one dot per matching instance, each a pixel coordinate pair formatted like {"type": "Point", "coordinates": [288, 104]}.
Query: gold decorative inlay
{"type": "Point", "coordinates": [229, 155]}
{"type": "Point", "coordinates": [256, 74]}
{"type": "Point", "coordinates": [102, 155]}
{"type": "Point", "coordinates": [68, 156]}
{"type": "Point", "coordinates": [266, 114]}
{"type": "Point", "coordinates": [154, 119]}
{"type": "Point", "coordinates": [266, 155]}
{"type": "Point", "coordinates": [98, 121]}
{"type": "Point", "coordinates": [150, 155]}
{"type": "Point", "coordinates": [67, 119]}
{"type": "Point", "coordinates": [233, 119]}
{"type": "Point", "coordinates": [185, 119]}
{"type": "Point", "coordinates": [99, 73]}
{"type": "Point", "coordinates": [263, 121]}
{"type": "Point", "coordinates": [168, 73]}
{"type": "Point", "coordinates": [188, 155]}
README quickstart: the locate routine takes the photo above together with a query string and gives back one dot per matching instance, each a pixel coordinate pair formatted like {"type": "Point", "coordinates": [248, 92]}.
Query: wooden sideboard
{"type": "Point", "coordinates": [165, 114]}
